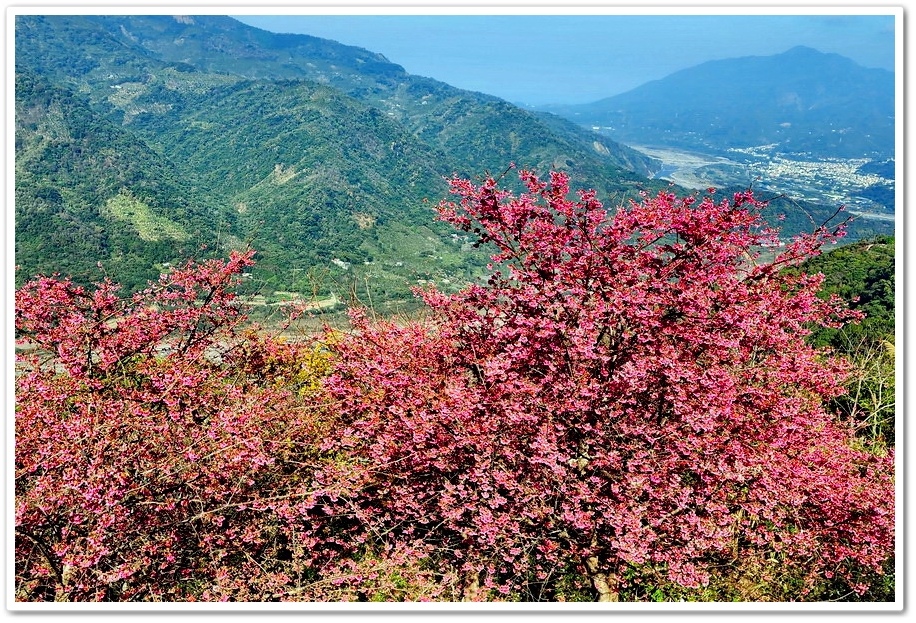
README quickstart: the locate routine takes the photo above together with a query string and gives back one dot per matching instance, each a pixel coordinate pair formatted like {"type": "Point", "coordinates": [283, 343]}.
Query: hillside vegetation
{"type": "Point", "coordinates": [323, 156]}
{"type": "Point", "coordinates": [863, 273]}
{"type": "Point", "coordinates": [89, 191]}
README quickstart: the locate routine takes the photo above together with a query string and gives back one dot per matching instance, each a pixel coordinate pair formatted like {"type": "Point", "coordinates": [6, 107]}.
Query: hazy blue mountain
{"type": "Point", "coordinates": [803, 100]}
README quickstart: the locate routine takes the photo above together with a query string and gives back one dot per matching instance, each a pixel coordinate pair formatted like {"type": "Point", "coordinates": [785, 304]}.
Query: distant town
{"type": "Point", "coordinates": [799, 175]}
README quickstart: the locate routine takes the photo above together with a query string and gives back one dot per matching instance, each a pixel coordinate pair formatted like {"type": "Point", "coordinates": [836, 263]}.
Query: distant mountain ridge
{"type": "Point", "coordinates": [802, 100]}
{"type": "Point", "coordinates": [125, 49]}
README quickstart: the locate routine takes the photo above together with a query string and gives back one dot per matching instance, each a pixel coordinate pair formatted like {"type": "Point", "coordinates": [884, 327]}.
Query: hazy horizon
{"type": "Point", "coordinates": [574, 59]}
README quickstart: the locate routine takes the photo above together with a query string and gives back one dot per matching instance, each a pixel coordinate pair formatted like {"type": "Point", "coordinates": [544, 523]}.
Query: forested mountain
{"type": "Point", "coordinates": [802, 100]}
{"type": "Point", "coordinates": [462, 121]}
{"type": "Point", "coordinates": [326, 157]}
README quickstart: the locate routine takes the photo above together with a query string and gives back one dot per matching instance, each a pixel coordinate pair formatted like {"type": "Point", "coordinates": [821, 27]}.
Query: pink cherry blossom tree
{"type": "Point", "coordinates": [156, 442]}
{"type": "Point", "coordinates": [630, 395]}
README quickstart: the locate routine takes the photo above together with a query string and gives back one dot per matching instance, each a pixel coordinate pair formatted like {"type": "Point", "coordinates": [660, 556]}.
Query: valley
{"type": "Point", "coordinates": [831, 181]}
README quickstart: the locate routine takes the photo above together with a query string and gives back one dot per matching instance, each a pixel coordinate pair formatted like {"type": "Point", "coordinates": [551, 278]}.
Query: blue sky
{"type": "Point", "coordinates": [545, 59]}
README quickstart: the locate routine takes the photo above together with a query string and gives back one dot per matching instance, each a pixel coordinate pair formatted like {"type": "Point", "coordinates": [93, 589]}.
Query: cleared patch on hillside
{"type": "Point", "coordinates": [282, 175]}
{"type": "Point", "coordinates": [149, 226]}
{"type": "Point", "coordinates": [363, 220]}
{"type": "Point", "coordinates": [601, 148]}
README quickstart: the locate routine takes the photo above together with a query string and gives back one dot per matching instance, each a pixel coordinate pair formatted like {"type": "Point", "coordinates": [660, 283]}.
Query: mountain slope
{"type": "Point", "coordinates": [87, 191]}
{"type": "Point", "coordinates": [141, 47]}
{"type": "Point", "coordinates": [322, 154]}
{"type": "Point", "coordinates": [802, 99]}
{"type": "Point", "coordinates": [319, 179]}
